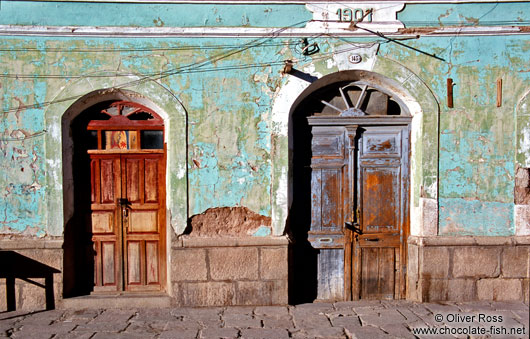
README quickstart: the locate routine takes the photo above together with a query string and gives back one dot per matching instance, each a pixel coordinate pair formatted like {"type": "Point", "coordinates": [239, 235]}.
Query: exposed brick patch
{"type": "Point", "coordinates": [228, 221]}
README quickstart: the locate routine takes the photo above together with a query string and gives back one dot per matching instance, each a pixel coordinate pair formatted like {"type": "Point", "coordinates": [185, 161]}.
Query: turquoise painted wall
{"type": "Point", "coordinates": [227, 86]}
{"type": "Point", "coordinates": [477, 139]}
{"type": "Point", "coordinates": [150, 15]}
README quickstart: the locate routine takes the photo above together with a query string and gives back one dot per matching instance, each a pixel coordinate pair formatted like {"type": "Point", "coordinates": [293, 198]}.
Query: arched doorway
{"type": "Point", "coordinates": [117, 235]}
{"type": "Point", "coordinates": [351, 190]}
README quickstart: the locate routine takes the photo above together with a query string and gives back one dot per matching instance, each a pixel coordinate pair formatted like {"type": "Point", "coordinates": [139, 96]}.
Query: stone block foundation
{"type": "Point", "coordinates": [229, 271]}
{"type": "Point", "coordinates": [468, 268]}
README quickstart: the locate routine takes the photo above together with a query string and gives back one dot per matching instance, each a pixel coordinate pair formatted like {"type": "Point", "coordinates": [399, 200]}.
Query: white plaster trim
{"type": "Point", "coordinates": [269, 1]}
{"type": "Point", "coordinates": [522, 219]}
{"type": "Point", "coordinates": [283, 100]}
{"type": "Point", "coordinates": [367, 53]}
{"type": "Point", "coordinates": [8, 242]}
{"type": "Point", "coordinates": [468, 241]}
{"type": "Point", "coordinates": [429, 209]}
{"type": "Point", "coordinates": [207, 242]}
{"type": "Point", "coordinates": [522, 109]}
{"type": "Point", "coordinates": [234, 32]}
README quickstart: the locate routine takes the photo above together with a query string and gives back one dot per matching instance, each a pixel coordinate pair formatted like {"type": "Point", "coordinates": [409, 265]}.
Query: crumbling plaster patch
{"type": "Point", "coordinates": [229, 221]}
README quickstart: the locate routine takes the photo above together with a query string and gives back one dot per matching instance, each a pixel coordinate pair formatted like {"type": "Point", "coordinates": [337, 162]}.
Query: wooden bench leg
{"type": "Point", "coordinates": [50, 298]}
{"type": "Point", "coordinates": [10, 294]}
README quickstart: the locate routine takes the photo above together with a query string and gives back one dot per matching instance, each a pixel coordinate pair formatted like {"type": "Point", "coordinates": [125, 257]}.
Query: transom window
{"type": "Point", "coordinates": [124, 125]}
{"type": "Point", "coordinates": [355, 99]}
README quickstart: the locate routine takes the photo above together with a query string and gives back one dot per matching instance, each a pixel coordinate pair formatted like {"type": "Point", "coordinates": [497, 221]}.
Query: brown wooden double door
{"type": "Point", "coordinates": [360, 188]}
{"type": "Point", "coordinates": [128, 221]}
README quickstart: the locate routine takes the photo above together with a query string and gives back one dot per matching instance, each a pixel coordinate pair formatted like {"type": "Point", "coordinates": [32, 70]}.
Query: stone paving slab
{"type": "Point", "coordinates": [356, 319]}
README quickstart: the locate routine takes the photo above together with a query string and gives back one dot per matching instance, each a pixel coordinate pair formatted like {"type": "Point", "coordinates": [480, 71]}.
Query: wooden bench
{"type": "Point", "coordinates": [14, 265]}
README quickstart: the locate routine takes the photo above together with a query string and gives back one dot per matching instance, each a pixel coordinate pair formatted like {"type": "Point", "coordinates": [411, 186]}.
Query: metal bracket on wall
{"type": "Point", "coordinates": [450, 85]}
{"type": "Point", "coordinates": [499, 92]}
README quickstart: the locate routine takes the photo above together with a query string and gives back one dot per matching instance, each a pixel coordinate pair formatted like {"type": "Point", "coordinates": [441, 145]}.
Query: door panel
{"type": "Point", "coordinates": [108, 258]}
{"type": "Point", "coordinates": [382, 186]}
{"type": "Point", "coordinates": [133, 180]}
{"type": "Point", "coordinates": [134, 260]}
{"type": "Point", "coordinates": [109, 176]}
{"type": "Point", "coordinates": [331, 198]}
{"type": "Point", "coordinates": [331, 274]}
{"type": "Point", "coordinates": [378, 279]}
{"type": "Point", "coordinates": [151, 180]}
{"type": "Point", "coordinates": [103, 222]}
{"type": "Point", "coordinates": [128, 221]}
{"type": "Point", "coordinates": [143, 221]}
{"type": "Point", "coordinates": [151, 249]}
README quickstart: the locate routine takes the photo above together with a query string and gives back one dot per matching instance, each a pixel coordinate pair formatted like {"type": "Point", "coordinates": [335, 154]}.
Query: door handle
{"type": "Point", "coordinates": [353, 226]}
{"type": "Point", "coordinates": [125, 205]}
{"type": "Point", "coordinates": [124, 201]}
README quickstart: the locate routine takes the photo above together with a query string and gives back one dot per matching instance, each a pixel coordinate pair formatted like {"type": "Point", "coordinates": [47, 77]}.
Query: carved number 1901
{"type": "Point", "coordinates": [356, 14]}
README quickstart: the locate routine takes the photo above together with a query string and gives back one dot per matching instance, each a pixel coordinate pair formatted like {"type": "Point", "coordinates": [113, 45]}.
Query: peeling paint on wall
{"type": "Point", "coordinates": [473, 217]}
{"type": "Point", "coordinates": [238, 103]}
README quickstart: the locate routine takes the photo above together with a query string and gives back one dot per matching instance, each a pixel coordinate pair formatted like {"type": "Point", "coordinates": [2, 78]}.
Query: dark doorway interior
{"type": "Point", "coordinates": [78, 247]}
{"type": "Point", "coordinates": [303, 282]}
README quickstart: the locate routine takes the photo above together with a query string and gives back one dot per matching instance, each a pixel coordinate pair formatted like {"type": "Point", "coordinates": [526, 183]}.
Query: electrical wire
{"type": "Point", "coordinates": [185, 70]}
{"type": "Point", "coordinates": [182, 69]}
{"type": "Point", "coordinates": [160, 75]}
{"type": "Point", "coordinates": [143, 49]}
{"type": "Point", "coordinates": [34, 135]}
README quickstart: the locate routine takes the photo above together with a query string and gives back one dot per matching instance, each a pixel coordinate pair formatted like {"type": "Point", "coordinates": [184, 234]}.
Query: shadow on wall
{"type": "Point", "coordinates": [78, 247]}
{"type": "Point", "coordinates": [16, 266]}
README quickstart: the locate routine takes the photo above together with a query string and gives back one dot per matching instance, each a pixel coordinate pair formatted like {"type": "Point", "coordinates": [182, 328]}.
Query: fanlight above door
{"type": "Point", "coordinates": [357, 99]}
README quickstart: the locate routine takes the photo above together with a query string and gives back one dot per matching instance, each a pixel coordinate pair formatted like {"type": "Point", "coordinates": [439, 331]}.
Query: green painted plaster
{"type": "Point", "coordinates": [238, 151]}
{"type": "Point", "coordinates": [474, 217]}
{"type": "Point", "coordinates": [150, 15]}
{"type": "Point", "coordinates": [466, 14]}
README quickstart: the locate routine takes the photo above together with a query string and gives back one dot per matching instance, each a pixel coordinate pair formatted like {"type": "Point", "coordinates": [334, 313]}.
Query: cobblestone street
{"type": "Point", "coordinates": [360, 319]}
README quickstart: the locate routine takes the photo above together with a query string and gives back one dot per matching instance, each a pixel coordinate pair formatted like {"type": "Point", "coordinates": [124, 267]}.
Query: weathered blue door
{"type": "Point", "coordinates": [359, 204]}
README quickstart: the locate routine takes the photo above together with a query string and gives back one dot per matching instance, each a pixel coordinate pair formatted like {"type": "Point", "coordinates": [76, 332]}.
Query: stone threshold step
{"type": "Point", "coordinates": [150, 300]}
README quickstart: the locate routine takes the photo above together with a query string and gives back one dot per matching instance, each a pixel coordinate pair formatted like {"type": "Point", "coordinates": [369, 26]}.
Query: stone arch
{"type": "Point", "coordinates": [413, 94]}
{"type": "Point", "coordinates": [73, 99]}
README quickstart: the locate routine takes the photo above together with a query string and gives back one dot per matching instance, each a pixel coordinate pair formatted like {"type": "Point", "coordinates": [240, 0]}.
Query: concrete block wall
{"type": "Point", "coordinates": [30, 296]}
{"type": "Point", "coordinates": [229, 271]}
{"type": "Point", "coordinates": [468, 268]}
